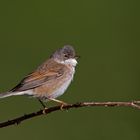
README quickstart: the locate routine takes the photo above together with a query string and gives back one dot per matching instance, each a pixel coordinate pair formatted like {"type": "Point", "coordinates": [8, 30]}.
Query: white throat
{"type": "Point", "coordinates": [70, 61]}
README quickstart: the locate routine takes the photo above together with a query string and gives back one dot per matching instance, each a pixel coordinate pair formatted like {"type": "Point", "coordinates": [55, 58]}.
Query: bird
{"type": "Point", "coordinates": [51, 79]}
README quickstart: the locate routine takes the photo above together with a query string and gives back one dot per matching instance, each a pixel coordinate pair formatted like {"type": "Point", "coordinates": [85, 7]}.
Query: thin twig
{"type": "Point", "coordinates": [18, 120]}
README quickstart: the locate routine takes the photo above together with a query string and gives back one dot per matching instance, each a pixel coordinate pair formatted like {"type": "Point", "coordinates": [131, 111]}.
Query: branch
{"type": "Point", "coordinates": [18, 120]}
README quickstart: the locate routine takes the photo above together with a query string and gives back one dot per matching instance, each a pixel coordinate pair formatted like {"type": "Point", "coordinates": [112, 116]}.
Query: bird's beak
{"type": "Point", "coordinates": [77, 57]}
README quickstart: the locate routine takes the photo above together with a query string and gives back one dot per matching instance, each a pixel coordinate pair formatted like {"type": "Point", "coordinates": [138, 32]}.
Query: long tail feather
{"type": "Point", "coordinates": [8, 94]}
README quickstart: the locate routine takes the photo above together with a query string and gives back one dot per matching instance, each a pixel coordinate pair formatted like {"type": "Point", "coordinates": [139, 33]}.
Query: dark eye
{"type": "Point", "coordinates": [65, 55]}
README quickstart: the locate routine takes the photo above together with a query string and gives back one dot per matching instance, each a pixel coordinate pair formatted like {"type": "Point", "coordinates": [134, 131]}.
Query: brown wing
{"type": "Point", "coordinates": [47, 71]}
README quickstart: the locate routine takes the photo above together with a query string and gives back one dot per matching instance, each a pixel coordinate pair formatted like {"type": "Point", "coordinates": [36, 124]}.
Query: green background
{"type": "Point", "coordinates": [105, 33]}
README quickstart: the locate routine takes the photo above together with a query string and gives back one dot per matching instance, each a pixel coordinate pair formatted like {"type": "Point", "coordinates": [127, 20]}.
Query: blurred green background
{"type": "Point", "coordinates": [105, 33]}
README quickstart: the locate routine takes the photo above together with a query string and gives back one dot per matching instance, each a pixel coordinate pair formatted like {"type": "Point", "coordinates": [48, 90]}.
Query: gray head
{"type": "Point", "coordinates": [65, 53]}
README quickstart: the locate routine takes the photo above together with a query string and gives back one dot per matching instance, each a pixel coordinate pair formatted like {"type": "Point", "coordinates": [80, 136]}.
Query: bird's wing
{"type": "Point", "coordinates": [46, 72]}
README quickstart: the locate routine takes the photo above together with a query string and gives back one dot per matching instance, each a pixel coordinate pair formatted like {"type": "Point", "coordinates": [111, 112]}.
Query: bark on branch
{"type": "Point", "coordinates": [18, 120]}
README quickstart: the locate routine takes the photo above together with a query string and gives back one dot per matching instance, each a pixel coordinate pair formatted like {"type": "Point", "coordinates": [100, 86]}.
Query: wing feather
{"type": "Point", "coordinates": [46, 72]}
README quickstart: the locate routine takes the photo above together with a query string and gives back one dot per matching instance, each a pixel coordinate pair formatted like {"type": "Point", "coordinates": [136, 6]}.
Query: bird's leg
{"type": "Point", "coordinates": [42, 103]}
{"type": "Point", "coordinates": [58, 101]}
{"type": "Point", "coordinates": [43, 106]}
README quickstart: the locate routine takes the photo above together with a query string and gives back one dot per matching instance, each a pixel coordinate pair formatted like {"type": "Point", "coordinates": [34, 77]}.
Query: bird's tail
{"type": "Point", "coordinates": [8, 94]}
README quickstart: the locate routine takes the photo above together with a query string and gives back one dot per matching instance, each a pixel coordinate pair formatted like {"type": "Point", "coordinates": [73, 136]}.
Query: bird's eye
{"type": "Point", "coordinates": [65, 55]}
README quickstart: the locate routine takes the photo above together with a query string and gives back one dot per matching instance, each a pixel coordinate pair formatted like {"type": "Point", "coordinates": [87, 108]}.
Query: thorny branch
{"type": "Point", "coordinates": [18, 120]}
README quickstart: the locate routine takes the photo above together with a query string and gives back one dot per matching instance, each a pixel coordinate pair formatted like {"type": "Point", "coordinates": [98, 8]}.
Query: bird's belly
{"type": "Point", "coordinates": [55, 88]}
{"type": "Point", "coordinates": [59, 91]}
